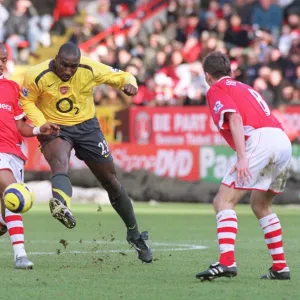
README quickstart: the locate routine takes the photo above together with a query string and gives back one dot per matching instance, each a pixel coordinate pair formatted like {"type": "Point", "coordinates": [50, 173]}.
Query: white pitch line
{"type": "Point", "coordinates": [174, 247]}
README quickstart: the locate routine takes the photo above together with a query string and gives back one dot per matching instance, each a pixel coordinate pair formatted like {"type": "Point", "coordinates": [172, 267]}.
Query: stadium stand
{"type": "Point", "coordinates": [261, 38]}
{"type": "Point", "coordinates": [163, 42]}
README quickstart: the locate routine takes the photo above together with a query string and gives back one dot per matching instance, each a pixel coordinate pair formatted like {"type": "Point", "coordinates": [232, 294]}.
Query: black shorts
{"type": "Point", "coordinates": [87, 140]}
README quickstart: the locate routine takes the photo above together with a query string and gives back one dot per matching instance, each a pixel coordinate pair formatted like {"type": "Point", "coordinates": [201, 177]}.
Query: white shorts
{"type": "Point", "coordinates": [269, 152]}
{"type": "Point", "coordinates": [13, 163]}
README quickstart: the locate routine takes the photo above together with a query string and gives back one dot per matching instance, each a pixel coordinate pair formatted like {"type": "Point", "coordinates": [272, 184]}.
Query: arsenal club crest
{"type": "Point", "coordinates": [63, 89]}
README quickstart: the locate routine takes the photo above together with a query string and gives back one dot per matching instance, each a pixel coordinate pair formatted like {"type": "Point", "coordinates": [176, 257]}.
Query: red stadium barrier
{"type": "Point", "coordinates": [185, 125]}
{"type": "Point", "coordinates": [190, 126]}
{"type": "Point", "coordinates": [174, 162]}
{"type": "Point", "coordinates": [176, 142]}
{"type": "Point", "coordinates": [165, 161]}
{"type": "Point", "coordinates": [142, 13]}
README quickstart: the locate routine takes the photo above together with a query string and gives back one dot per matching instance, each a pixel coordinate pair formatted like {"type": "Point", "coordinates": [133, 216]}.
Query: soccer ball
{"type": "Point", "coordinates": [18, 198]}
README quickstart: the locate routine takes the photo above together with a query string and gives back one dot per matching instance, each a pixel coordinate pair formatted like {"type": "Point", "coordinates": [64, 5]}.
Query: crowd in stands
{"type": "Point", "coordinates": [27, 24]}
{"type": "Point", "coordinates": [261, 37]}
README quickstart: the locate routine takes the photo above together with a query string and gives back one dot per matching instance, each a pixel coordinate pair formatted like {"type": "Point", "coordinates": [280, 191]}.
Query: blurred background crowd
{"type": "Point", "coordinates": [262, 39]}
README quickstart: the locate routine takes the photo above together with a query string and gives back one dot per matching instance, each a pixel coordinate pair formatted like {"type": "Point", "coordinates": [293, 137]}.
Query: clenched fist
{"type": "Point", "coordinates": [130, 89]}
{"type": "Point", "coordinates": [49, 129]}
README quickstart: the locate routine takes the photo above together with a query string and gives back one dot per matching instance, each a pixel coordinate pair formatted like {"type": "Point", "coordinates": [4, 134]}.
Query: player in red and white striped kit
{"type": "Point", "coordinates": [12, 127]}
{"type": "Point", "coordinates": [263, 155]}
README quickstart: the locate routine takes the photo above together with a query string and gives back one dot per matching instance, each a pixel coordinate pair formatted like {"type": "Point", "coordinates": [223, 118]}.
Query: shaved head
{"type": "Point", "coordinates": [69, 49]}
{"type": "Point", "coordinates": [3, 58]}
{"type": "Point", "coordinates": [67, 61]}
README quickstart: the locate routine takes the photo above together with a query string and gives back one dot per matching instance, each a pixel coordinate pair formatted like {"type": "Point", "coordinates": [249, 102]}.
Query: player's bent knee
{"type": "Point", "coordinates": [255, 207]}
{"type": "Point", "coordinates": [224, 201]}
{"type": "Point", "coordinates": [59, 164]}
{"type": "Point", "coordinates": [217, 202]}
{"type": "Point", "coordinates": [259, 206]}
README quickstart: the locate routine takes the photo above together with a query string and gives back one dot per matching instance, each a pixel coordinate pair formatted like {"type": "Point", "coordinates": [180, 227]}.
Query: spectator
{"type": "Point", "coordinates": [180, 35]}
{"type": "Point", "coordinates": [244, 8]}
{"type": "Point", "coordinates": [263, 44]}
{"type": "Point", "coordinates": [288, 93]}
{"type": "Point", "coordinates": [19, 29]}
{"type": "Point", "coordinates": [265, 73]}
{"type": "Point", "coordinates": [296, 97]}
{"type": "Point", "coordinates": [172, 11]}
{"type": "Point", "coordinates": [124, 58]}
{"type": "Point", "coordinates": [261, 86]}
{"type": "Point", "coordinates": [3, 18]}
{"type": "Point", "coordinates": [227, 11]}
{"type": "Point", "coordinates": [98, 96]}
{"type": "Point", "coordinates": [215, 8]}
{"type": "Point", "coordinates": [235, 34]}
{"type": "Point", "coordinates": [268, 16]}
{"type": "Point", "coordinates": [192, 48]}
{"type": "Point", "coordinates": [285, 40]}
{"type": "Point", "coordinates": [100, 10]}
{"type": "Point", "coordinates": [155, 42]}
{"type": "Point", "coordinates": [159, 62]}
{"type": "Point", "coordinates": [298, 77]}
{"type": "Point", "coordinates": [192, 24]}
{"type": "Point", "coordinates": [164, 90]}
{"type": "Point", "coordinates": [197, 88]}
{"type": "Point", "coordinates": [277, 84]}
{"type": "Point", "coordinates": [165, 56]}
{"type": "Point", "coordinates": [111, 96]}
{"type": "Point", "coordinates": [146, 92]}
{"type": "Point", "coordinates": [122, 18]}
{"type": "Point", "coordinates": [222, 29]}
{"type": "Point", "coordinates": [279, 113]}
{"type": "Point", "coordinates": [188, 7]}
{"type": "Point", "coordinates": [43, 20]}
{"type": "Point", "coordinates": [253, 66]}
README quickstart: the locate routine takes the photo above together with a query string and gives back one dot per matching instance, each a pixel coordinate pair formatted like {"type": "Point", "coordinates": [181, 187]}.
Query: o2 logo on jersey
{"type": "Point", "coordinates": [65, 105]}
{"type": "Point", "coordinates": [25, 92]}
{"type": "Point", "coordinates": [218, 106]}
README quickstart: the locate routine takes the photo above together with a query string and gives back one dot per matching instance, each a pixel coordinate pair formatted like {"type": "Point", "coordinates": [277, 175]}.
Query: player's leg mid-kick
{"type": "Point", "coordinates": [92, 148]}
{"type": "Point", "coordinates": [57, 153]}
{"type": "Point", "coordinates": [106, 175]}
{"type": "Point", "coordinates": [61, 91]}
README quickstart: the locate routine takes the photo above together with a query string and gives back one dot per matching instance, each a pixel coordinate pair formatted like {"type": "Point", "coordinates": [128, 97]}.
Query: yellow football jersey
{"type": "Point", "coordinates": [44, 97]}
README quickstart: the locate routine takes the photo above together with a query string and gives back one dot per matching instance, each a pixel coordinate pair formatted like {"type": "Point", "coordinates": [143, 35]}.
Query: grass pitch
{"type": "Point", "coordinates": [93, 261]}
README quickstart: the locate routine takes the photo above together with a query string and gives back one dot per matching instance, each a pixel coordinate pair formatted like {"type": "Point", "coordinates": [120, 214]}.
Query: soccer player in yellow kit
{"type": "Point", "coordinates": [60, 91]}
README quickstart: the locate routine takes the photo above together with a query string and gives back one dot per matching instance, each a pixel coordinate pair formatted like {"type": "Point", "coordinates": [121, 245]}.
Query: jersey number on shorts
{"type": "Point", "coordinates": [104, 148]}
{"type": "Point", "coordinates": [260, 101]}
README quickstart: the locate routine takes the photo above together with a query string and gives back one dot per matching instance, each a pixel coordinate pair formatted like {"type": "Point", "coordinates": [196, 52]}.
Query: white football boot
{"type": "Point", "coordinates": [23, 263]}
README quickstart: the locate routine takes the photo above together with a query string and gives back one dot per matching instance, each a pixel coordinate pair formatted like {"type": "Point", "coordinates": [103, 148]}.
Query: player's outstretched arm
{"type": "Point", "coordinates": [28, 131]}
{"type": "Point", "coordinates": [118, 79]}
